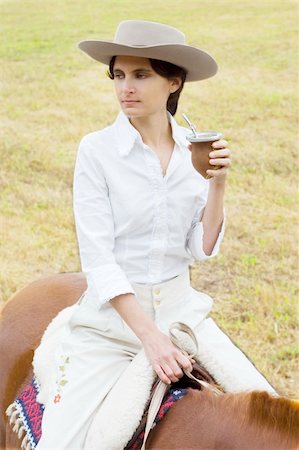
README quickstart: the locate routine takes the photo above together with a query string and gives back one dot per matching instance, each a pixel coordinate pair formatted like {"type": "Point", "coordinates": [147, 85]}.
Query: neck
{"type": "Point", "coordinates": [154, 129]}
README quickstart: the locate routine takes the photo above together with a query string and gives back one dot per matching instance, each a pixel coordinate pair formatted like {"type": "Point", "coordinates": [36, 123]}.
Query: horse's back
{"type": "Point", "coordinates": [201, 421]}
{"type": "Point", "coordinates": [192, 422]}
{"type": "Point", "coordinates": [23, 319]}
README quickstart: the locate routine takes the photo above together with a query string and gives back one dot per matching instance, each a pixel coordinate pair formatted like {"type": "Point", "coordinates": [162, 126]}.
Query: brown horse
{"type": "Point", "coordinates": [200, 420]}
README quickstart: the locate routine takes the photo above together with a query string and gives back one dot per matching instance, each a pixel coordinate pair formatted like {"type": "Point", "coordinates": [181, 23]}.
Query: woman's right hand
{"type": "Point", "coordinates": [166, 359]}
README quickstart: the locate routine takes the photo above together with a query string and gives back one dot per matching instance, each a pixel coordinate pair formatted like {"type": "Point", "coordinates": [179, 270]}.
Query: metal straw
{"type": "Point", "coordinates": [192, 127]}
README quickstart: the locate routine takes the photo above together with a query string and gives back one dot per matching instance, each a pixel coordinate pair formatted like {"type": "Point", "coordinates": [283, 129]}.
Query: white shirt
{"type": "Point", "coordinates": [133, 224]}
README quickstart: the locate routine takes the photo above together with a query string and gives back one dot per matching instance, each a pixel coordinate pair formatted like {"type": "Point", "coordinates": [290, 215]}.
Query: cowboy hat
{"type": "Point", "coordinates": [153, 40]}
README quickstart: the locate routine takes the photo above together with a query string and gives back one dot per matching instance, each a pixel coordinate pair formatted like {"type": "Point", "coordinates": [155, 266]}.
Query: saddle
{"type": "Point", "coordinates": [148, 398]}
{"type": "Point", "coordinates": [199, 379]}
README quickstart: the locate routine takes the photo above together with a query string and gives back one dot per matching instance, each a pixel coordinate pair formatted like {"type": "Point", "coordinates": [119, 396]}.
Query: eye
{"type": "Point", "coordinates": [118, 75]}
{"type": "Point", "coordinates": [141, 75]}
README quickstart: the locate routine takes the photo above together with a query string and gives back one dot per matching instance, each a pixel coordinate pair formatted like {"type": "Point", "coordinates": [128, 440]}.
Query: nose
{"type": "Point", "coordinates": [128, 87]}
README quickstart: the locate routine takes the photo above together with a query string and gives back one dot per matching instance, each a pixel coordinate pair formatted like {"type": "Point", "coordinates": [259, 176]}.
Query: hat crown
{"type": "Point", "coordinates": [140, 33]}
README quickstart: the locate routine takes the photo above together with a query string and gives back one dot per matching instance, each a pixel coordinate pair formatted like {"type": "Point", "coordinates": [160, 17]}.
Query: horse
{"type": "Point", "coordinates": [201, 420]}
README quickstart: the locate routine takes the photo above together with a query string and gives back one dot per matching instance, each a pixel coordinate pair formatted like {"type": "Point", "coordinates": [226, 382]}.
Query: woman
{"type": "Point", "coordinates": [143, 214]}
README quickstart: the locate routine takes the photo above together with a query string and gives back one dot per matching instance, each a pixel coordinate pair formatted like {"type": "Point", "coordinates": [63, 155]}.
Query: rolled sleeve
{"type": "Point", "coordinates": [106, 282]}
{"type": "Point", "coordinates": [195, 240]}
{"type": "Point", "coordinates": [95, 229]}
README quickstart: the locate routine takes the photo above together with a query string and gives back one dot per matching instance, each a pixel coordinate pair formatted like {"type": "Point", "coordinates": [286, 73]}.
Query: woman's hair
{"type": "Point", "coordinates": [166, 70]}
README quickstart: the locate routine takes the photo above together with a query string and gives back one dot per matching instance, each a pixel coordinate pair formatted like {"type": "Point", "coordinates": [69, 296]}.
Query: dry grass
{"type": "Point", "coordinates": [53, 95]}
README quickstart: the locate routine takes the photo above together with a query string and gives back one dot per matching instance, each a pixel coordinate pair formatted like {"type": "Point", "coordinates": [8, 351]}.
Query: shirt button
{"type": "Point", "coordinates": [157, 302]}
{"type": "Point", "coordinates": [157, 291]}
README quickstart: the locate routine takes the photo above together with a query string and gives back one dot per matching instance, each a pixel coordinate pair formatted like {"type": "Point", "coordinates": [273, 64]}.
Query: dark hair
{"type": "Point", "coordinates": [166, 70]}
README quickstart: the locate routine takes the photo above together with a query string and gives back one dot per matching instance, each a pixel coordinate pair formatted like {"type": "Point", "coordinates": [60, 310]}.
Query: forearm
{"type": "Point", "coordinates": [165, 358]}
{"type": "Point", "coordinates": [213, 216]}
{"type": "Point", "coordinates": [134, 315]}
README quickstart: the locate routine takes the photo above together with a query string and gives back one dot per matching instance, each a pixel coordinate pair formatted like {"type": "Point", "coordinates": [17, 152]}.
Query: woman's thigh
{"type": "Point", "coordinates": [191, 308]}
{"type": "Point", "coordinates": [87, 365]}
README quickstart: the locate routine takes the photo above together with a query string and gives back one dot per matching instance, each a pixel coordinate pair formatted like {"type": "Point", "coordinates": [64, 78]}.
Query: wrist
{"type": "Point", "coordinates": [218, 182]}
{"type": "Point", "coordinates": [149, 333]}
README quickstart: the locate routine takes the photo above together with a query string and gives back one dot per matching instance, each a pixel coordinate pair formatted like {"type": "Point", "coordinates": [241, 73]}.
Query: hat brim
{"type": "Point", "coordinates": [198, 64]}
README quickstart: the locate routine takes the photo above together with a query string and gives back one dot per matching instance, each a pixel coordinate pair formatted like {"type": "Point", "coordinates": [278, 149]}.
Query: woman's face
{"type": "Point", "coordinates": [140, 90]}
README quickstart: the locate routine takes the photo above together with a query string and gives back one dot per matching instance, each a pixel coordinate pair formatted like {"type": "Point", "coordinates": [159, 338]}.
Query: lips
{"type": "Point", "coordinates": [130, 103]}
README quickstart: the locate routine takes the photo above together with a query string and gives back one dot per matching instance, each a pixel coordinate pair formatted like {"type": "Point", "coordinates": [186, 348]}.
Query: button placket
{"type": "Point", "coordinates": [159, 236]}
{"type": "Point", "coordinates": [157, 297]}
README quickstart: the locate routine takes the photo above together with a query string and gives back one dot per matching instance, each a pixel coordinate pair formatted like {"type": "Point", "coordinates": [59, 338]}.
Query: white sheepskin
{"type": "Point", "coordinates": [44, 354]}
{"type": "Point", "coordinates": [122, 409]}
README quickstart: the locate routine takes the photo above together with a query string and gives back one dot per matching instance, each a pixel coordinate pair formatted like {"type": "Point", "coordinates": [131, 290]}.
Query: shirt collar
{"type": "Point", "coordinates": [178, 133]}
{"type": "Point", "coordinates": [127, 135]}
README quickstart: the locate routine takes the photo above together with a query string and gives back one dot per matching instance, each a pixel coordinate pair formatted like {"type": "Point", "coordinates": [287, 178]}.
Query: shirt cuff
{"type": "Point", "coordinates": [195, 241]}
{"type": "Point", "coordinates": [106, 282]}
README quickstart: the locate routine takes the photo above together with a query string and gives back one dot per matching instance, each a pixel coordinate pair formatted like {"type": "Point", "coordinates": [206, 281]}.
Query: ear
{"type": "Point", "coordinates": [175, 84]}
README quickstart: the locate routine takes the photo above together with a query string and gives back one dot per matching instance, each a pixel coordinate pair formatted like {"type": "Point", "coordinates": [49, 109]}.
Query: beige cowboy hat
{"type": "Point", "coordinates": [153, 40]}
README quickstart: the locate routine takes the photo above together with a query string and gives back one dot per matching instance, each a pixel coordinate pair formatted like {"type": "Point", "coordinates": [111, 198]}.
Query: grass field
{"type": "Point", "coordinates": [52, 94]}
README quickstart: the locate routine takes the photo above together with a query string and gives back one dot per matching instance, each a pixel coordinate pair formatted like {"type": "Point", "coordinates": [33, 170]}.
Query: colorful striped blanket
{"type": "Point", "coordinates": [26, 415]}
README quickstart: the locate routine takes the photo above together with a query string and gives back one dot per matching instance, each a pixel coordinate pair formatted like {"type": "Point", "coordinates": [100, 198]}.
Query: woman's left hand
{"type": "Point", "coordinates": [219, 156]}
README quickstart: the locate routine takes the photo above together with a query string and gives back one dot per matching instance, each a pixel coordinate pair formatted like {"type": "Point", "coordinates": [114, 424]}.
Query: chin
{"type": "Point", "coordinates": [132, 113]}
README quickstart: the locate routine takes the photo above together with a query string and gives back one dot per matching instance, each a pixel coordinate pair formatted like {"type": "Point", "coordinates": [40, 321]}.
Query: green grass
{"type": "Point", "coordinates": [52, 94]}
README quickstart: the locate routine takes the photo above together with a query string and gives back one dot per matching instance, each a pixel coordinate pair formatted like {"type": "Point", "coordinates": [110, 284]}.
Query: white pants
{"type": "Point", "coordinates": [97, 346]}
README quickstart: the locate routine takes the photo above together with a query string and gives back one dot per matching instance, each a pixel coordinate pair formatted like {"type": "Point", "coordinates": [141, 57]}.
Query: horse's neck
{"type": "Point", "coordinates": [253, 420]}
{"type": "Point", "coordinates": [204, 420]}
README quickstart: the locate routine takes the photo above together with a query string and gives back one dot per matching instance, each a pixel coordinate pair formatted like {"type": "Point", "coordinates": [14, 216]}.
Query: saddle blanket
{"type": "Point", "coordinates": [122, 409]}
{"type": "Point", "coordinates": [26, 415]}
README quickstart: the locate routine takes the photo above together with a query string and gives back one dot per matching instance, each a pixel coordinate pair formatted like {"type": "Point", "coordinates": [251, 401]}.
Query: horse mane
{"type": "Point", "coordinates": [263, 410]}
{"type": "Point", "coordinates": [277, 413]}
{"type": "Point", "coordinates": [260, 412]}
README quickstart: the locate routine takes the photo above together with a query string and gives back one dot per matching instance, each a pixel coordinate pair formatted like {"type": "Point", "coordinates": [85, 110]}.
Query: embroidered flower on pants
{"type": "Point", "coordinates": [61, 381]}
{"type": "Point", "coordinates": [57, 398]}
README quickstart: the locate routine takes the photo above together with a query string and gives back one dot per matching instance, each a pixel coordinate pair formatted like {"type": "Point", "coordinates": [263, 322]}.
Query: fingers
{"type": "Point", "coordinates": [166, 359]}
{"type": "Point", "coordinates": [221, 153]}
{"type": "Point", "coordinates": [216, 144]}
{"type": "Point", "coordinates": [223, 162]}
{"type": "Point", "coordinates": [184, 362]}
{"type": "Point", "coordinates": [220, 158]}
{"type": "Point", "coordinates": [168, 375]}
{"type": "Point", "coordinates": [172, 371]}
{"type": "Point", "coordinates": [161, 374]}
{"type": "Point", "coordinates": [222, 143]}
